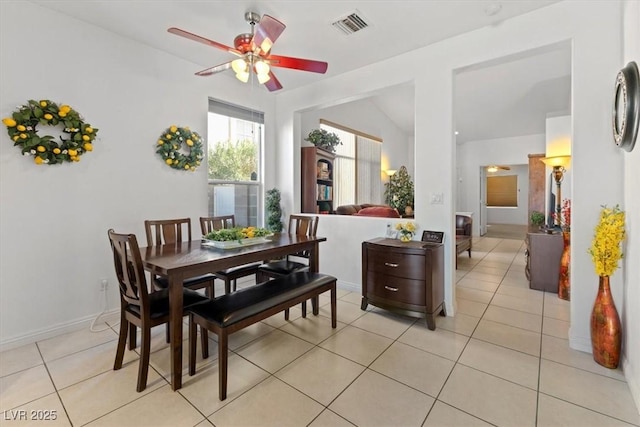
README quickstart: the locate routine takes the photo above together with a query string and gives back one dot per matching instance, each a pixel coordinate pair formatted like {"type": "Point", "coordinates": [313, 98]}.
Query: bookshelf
{"type": "Point", "coordinates": [317, 180]}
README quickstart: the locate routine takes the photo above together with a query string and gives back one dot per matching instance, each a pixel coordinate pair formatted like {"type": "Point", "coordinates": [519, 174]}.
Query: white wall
{"type": "Point", "coordinates": [54, 219]}
{"type": "Point", "coordinates": [631, 271]}
{"type": "Point", "coordinates": [593, 27]}
{"type": "Point", "coordinates": [471, 156]}
{"type": "Point", "coordinates": [516, 215]}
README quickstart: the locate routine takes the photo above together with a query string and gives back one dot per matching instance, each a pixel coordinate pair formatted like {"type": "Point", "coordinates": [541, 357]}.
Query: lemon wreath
{"type": "Point", "coordinates": [22, 129]}
{"type": "Point", "coordinates": [170, 143]}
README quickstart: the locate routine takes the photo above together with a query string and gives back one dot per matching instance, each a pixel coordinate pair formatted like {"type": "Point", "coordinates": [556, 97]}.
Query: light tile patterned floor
{"type": "Point", "coordinates": [502, 360]}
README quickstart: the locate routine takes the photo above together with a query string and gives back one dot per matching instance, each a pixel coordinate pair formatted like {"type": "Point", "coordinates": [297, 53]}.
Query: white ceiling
{"type": "Point", "coordinates": [396, 27]}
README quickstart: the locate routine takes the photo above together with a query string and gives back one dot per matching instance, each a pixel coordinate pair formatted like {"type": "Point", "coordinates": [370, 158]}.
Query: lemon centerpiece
{"type": "Point", "coordinates": [237, 236]}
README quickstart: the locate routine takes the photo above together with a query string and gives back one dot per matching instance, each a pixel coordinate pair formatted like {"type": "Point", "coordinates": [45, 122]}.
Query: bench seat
{"type": "Point", "coordinates": [231, 312]}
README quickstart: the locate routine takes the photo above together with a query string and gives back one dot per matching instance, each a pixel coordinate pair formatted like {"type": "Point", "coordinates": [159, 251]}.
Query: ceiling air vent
{"type": "Point", "coordinates": [351, 23]}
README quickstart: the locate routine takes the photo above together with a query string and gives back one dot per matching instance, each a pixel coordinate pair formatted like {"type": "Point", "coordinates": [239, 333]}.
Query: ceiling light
{"type": "Point", "coordinates": [263, 78]}
{"type": "Point", "coordinates": [492, 169]}
{"type": "Point", "coordinates": [243, 76]}
{"type": "Point", "coordinates": [266, 45]}
{"type": "Point", "coordinates": [262, 67]}
{"type": "Point", "coordinates": [456, 133]}
{"type": "Point", "coordinates": [239, 65]}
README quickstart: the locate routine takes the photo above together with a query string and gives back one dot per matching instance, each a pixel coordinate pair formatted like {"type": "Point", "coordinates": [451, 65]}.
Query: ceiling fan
{"type": "Point", "coordinates": [495, 168]}
{"type": "Point", "coordinates": [254, 52]}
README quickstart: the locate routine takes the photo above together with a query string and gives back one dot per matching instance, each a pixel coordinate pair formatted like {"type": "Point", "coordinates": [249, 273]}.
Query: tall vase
{"type": "Point", "coordinates": [605, 327]}
{"type": "Point", "coordinates": [564, 283]}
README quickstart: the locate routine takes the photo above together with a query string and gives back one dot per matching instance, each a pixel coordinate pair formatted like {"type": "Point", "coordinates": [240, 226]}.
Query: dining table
{"type": "Point", "coordinates": [183, 260]}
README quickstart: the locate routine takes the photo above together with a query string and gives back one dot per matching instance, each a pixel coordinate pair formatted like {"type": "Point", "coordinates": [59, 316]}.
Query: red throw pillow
{"type": "Point", "coordinates": [380, 211]}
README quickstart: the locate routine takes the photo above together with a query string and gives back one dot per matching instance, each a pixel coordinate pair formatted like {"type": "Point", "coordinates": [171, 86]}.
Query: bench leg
{"type": "Point", "coordinates": [286, 314]}
{"type": "Point", "coordinates": [333, 306]}
{"type": "Point", "coordinates": [469, 252]}
{"type": "Point", "coordinates": [315, 305]}
{"type": "Point", "coordinates": [222, 364]}
{"type": "Point", "coordinates": [303, 306]}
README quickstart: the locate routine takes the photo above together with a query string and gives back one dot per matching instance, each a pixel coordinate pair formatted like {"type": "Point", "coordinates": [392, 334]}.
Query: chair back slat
{"type": "Point", "coordinates": [213, 223]}
{"type": "Point", "coordinates": [167, 231]}
{"type": "Point", "coordinates": [303, 225]}
{"type": "Point", "coordinates": [129, 270]}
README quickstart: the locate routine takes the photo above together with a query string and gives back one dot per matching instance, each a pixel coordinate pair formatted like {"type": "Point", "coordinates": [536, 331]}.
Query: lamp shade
{"type": "Point", "coordinates": [564, 161]}
{"type": "Point", "coordinates": [391, 172]}
{"type": "Point", "coordinates": [239, 65]}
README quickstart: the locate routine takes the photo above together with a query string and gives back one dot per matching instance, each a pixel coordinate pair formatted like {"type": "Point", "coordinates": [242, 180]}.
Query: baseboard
{"type": "Point", "coordinates": [580, 343]}
{"type": "Point", "coordinates": [633, 380]}
{"type": "Point", "coordinates": [55, 330]}
{"type": "Point", "coordinates": [348, 286]}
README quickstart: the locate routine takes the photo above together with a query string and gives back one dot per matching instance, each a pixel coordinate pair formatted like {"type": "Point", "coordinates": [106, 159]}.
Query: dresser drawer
{"type": "Point", "coordinates": [396, 288]}
{"type": "Point", "coordinates": [396, 264]}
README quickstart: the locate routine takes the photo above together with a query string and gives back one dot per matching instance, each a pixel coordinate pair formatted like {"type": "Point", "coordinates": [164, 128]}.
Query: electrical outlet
{"type": "Point", "coordinates": [104, 284]}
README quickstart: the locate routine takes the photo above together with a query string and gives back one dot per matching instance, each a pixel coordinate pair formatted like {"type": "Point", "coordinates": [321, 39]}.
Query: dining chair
{"type": "Point", "coordinates": [174, 231]}
{"type": "Point", "coordinates": [139, 307]}
{"type": "Point", "coordinates": [301, 225]}
{"type": "Point", "coordinates": [230, 275]}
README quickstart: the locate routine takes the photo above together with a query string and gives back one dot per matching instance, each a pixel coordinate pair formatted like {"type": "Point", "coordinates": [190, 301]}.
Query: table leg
{"type": "Point", "coordinates": [175, 316]}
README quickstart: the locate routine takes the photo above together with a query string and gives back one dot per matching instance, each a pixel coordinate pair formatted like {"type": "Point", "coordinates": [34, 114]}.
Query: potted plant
{"type": "Point", "coordinates": [399, 191]}
{"type": "Point", "coordinates": [324, 139]}
{"type": "Point", "coordinates": [537, 218]}
{"type": "Point", "coordinates": [274, 211]}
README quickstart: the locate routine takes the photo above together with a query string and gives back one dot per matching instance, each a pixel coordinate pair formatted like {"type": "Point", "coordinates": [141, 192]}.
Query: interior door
{"type": "Point", "coordinates": [483, 201]}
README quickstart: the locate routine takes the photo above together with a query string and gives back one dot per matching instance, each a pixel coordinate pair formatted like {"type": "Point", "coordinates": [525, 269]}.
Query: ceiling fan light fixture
{"type": "Point", "coordinates": [239, 65]}
{"type": "Point", "coordinates": [262, 67]}
{"type": "Point", "coordinates": [243, 76]}
{"type": "Point", "coordinates": [492, 169]}
{"type": "Point", "coordinates": [263, 78]}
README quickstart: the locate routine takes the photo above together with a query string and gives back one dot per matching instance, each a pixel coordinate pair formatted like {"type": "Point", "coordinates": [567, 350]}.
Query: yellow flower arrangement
{"type": "Point", "coordinates": [22, 129]}
{"type": "Point", "coordinates": [407, 230]}
{"type": "Point", "coordinates": [609, 233]}
{"type": "Point", "coordinates": [170, 143]}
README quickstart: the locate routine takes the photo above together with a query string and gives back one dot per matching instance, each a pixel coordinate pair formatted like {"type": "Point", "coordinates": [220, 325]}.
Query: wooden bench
{"type": "Point", "coordinates": [231, 312]}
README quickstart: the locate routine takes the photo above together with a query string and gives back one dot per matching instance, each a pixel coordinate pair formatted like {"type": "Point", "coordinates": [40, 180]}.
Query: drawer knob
{"type": "Point", "coordinates": [390, 264]}
{"type": "Point", "coordinates": [389, 288]}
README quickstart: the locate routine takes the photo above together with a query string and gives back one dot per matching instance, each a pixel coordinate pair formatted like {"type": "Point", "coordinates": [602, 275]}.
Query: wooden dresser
{"type": "Point", "coordinates": [406, 278]}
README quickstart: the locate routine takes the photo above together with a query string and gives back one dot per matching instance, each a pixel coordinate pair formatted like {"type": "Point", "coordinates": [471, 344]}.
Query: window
{"type": "Point", "coordinates": [234, 157]}
{"type": "Point", "coordinates": [357, 166]}
{"type": "Point", "coordinates": [502, 191]}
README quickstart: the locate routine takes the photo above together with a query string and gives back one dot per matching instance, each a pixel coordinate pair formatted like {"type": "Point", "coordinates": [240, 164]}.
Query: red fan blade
{"type": "Point", "coordinates": [273, 83]}
{"type": "Point", "coordinates": [267, 32]}
{"type": "Point", "coordinates": [298, 63]}
{"type": "Point", "coordinates": [195, 37]}
{"type": "Point", "coordinates": [214, 70]}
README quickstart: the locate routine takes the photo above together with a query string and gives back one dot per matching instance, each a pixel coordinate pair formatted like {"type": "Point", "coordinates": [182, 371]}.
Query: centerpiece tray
{"type": "Point", "coordinates": [230, 244]}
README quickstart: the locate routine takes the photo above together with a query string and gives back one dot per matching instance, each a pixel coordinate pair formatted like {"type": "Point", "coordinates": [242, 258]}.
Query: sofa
{"type": "Point", "coordinates": [464, 225]}
{"type": "Point", "coordinates": [367, 209]}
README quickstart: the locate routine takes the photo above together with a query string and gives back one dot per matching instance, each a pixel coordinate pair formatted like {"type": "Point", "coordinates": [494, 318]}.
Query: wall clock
{"type": "Point", "coordinates": [626, 107]}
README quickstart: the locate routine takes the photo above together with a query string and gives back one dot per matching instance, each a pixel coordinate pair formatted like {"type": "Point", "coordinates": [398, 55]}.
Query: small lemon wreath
{"type": "Point", "coordinates": [22, 129]}
{"type": "Point", "coordinates": [170, 143]}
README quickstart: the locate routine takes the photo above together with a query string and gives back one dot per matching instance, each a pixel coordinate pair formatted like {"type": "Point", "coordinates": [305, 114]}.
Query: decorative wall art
{"type": "Point", "coordinates": [170, 143]}
{"type": "Point", "coordinates": [22, 127]}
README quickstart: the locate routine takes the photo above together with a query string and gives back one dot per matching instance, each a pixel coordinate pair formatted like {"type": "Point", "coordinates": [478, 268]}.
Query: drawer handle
{"type": "Point", "coordinates": [390, 264]}
{"type": "Point", "coordinates": [389, 288]}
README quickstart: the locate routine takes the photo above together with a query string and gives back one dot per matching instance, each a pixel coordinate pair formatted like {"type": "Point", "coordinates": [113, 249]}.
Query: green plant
{"type": "Point", "coordinates": [236, 233]}
{"type": "Point", "coordinates": [537, 218]}
{"type": "Point", "coordinates": [399, 191]}
{"type": "Point", "coordinates": [324, 139]}
{"type": "Point", "coordinates": [274, 211]}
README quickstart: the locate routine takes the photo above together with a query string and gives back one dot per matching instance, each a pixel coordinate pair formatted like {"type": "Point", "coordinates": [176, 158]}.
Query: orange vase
{"type": "Point", "coordinates": [564, 283]}
{"type": "Point", "coordinates": [605, 327]}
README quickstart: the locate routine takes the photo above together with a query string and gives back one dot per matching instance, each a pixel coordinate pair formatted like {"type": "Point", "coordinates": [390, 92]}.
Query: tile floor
{"type": "Point", "coordinates": [502, 360]}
